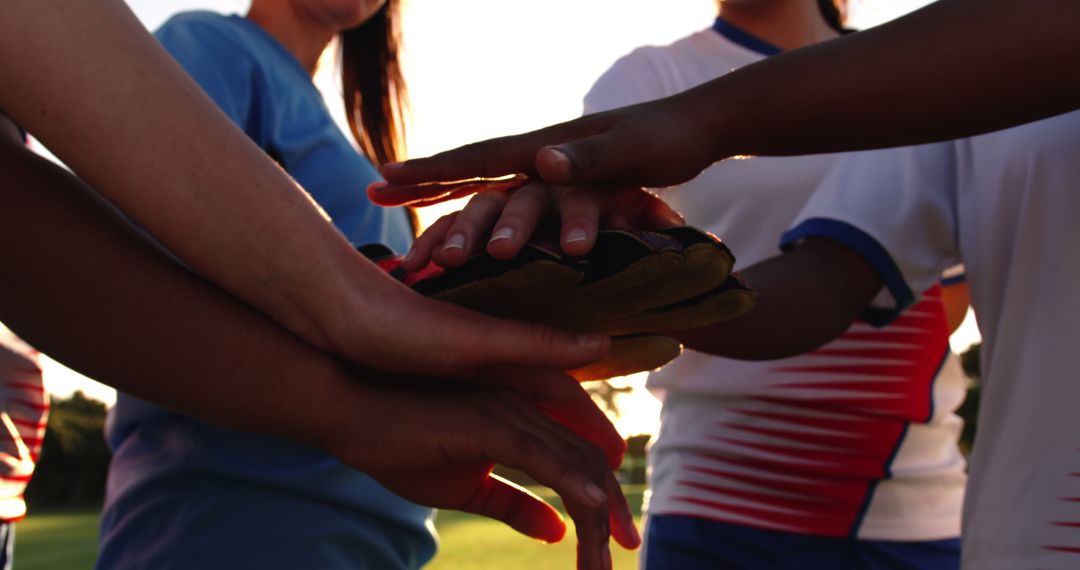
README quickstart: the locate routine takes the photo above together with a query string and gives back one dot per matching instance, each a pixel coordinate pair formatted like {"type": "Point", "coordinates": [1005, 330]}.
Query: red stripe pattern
{"type": "Point", "coordinates": [805, 456]}
{"type": "Point", "coordinates": [23, 417]}
{"type": "Point", "coordinates": [1072, 523]}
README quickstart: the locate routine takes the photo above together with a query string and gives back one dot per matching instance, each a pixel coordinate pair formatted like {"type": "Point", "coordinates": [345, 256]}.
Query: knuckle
{"type": "Point", "coordinates": [528, 445]}
{"type": "Point", "coordinates": [543, 335]}
{"type": "Point", "coordinates": [587, 153]}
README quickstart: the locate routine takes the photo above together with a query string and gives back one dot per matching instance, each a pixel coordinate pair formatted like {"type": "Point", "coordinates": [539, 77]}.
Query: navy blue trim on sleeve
{"type": "Point", "coordinates": [954, 279]}
{"type": "Point", "coordinates": [870, 250]}
{"type": "Point", "coordinates": [744, 39]}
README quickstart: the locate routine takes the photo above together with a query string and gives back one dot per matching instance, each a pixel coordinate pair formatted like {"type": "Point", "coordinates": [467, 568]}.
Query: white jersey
{"type": "Point", "coordinates": [1006, 204]}
{"type": "Point", "coordinates": [857, 439]}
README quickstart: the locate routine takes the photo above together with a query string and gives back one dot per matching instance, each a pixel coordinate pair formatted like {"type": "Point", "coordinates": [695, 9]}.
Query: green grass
{"type": "Point", "coordinates": [57, 541]}
{"type": "Point", "coordinates": [68, 541]}
{"type": "Point", "coordinates": [469, 542]}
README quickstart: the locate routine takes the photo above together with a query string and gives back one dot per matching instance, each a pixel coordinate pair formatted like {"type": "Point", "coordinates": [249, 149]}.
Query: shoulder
{"type": "Point", "coordinates": [634, 78]}
{"type": "Point", "coordinates": [204, 32]}
{"type": "Point", "coordinates": [652, 72]}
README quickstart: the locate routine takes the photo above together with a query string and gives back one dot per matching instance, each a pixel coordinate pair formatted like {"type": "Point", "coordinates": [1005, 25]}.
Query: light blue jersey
{"type": "Point", "coordinates": [185, 494]}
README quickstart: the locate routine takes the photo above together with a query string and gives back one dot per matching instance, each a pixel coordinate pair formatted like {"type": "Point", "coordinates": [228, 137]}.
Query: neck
{"type": "Point", "coordinates": [302, 35]}
{"type": "Point", "coordinates": [787, 24]}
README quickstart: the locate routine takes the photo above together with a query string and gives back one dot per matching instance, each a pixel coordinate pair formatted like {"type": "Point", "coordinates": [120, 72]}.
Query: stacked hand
{"type": "Point", "coordinates": [630, 283]}
{"type": "Point", "coordinates": [659, 143]}
{"type": "Point", "coordinates": [437, 447]}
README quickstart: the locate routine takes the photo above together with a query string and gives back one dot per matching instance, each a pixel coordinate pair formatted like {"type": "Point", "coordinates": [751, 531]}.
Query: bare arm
{"type": "Point", "coordinates": [957, 299]}
{"type": "Point", "coordinates": [807, 297]}
{"type": "Point", "coordinates": [85, 287]}
{"type": "Point", "coordinates": [97, 89]}
{"type": "Point", "coordinates": [952, 69]}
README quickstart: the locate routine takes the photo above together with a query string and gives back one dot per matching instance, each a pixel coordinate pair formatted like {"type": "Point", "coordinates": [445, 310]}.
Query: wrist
{"type": "Point", "coordinates": [715, 112]}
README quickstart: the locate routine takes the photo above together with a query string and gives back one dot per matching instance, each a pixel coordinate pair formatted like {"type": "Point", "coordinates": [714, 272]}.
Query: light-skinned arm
{"type": "Point", "coordinates": [94, 86]}
{"type": "Point", "coordinates": [83, 286]}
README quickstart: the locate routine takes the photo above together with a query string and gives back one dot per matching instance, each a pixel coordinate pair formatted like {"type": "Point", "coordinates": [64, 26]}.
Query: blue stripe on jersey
{"type": "Point", "coordinates": [887, 468]}
{"type": "Point", "coordinates": [744, 39]}
{"type": "Point", "coordinates": [892, 456]}
{"type": "Point", "coordinates": [870, 250]}
{"type": "Point", "coordinates": [954, 279]}
{"type": "Point", "coordinates": [937, 374]}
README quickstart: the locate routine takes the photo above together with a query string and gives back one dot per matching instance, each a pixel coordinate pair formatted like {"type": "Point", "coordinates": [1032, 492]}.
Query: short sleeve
{"type": "Point", "coordinates": [896, 208]}
{"type": "Point", "coordinates": [202, 43]}
{"type": "Point", "coordinates": [632, 79]}
{"type": "Point", "coordinates": [954, 275]}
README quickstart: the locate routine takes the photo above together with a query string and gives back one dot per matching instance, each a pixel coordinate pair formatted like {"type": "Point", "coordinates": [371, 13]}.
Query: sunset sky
{"type": "Point", "coordinates": [483, 68]}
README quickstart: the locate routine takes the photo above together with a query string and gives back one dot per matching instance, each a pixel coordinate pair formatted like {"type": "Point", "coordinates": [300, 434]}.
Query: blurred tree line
{"type": "Point", "coordinates": [74, 458]}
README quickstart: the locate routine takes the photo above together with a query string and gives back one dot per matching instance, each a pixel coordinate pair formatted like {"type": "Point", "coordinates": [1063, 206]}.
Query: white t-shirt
{"type": "Point", "coordinates": [1007, 204]}
{"type": "Point", "coordinates": [866, 423]}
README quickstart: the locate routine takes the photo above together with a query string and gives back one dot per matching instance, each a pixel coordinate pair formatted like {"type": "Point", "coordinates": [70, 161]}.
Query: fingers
{"type": "Point", "coordinates": [433, 337]}
{"type": "Point", "coordinates": [523, 511]}
{"type": "Point", "coordinates": [623, 529]}
{"type": "Point", "coordinates": [428, 193]}
{"type": "Point", "coordinates": [491, 158]}
{"type": "Point", "coordinates": [520, 217]}
{"type": "Point", "coordinates": [595, 159]}
{"type": "Point", "coordinates": [638, 208]}
{"type": "Point", "coordinates": [421, 251]}
{"type": "Point", "coordinates": [563, 399]}
{"type": "Point", "coordinates": [588, 504]}
{"type": "Point", "coordinates": [468, 231]}
{"type": "Point", "coordinates": [579, 210]}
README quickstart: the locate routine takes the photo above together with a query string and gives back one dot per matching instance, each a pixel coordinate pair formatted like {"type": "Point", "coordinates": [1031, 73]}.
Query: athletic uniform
{"type": "Point", "coordinates": [185, 494]}
{"type": "Point", "coordinates": [24, 411]}
{"type": "Point", "coordinates": [842, 458]}
{"type": "Point", "coordinates": [1006, 204]}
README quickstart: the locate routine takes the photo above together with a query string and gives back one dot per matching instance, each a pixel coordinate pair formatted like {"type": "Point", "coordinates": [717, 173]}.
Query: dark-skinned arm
{"type": "Point", "coordinates": [953, 69]}
{"type": "Point", "coordinates": [807, 297]}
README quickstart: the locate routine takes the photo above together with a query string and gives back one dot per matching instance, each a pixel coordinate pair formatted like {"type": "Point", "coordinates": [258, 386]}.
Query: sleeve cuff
{"type": "Point", "coordinates": [872, 251]}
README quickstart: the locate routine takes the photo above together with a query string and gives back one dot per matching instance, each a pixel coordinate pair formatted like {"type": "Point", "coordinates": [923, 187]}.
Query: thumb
{"type": "Point", "coordinates": [523, 511]}
{"type": "Point", "coordinates": [593, 159]}
{"type": "Point", "coordinates": [481, 340]}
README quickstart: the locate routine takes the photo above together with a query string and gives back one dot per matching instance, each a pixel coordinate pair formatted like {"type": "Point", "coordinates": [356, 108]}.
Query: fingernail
{"type": "Point", "coordinates": [377, 185]}
{"type": "Point", "coordinates": [409, 254]}
{"type": "Point", "coordinates": [560, 158]}
{"type": "Point", "coordinates": [589, 342]}
{"type": "Point", "coordinates": [575, 235]}
{"type": "Point", "coordinates": [598, 497]}
{"type": "Point", "coordinates": [392, 165]}
{"type": "Point", "coordinates": [505, 232]}
{"type": "Point", "coordinates": [456, 241]}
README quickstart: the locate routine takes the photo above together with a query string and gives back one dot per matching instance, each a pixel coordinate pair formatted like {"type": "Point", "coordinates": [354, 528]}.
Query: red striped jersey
{"type": "Point", "coordinates": [24, 410]}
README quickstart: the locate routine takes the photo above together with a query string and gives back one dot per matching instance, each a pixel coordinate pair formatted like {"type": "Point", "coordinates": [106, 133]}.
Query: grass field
{"type": "Point", "coordinates": [68, 541]}
{"type": "Point", "coordinates": [56, 541]}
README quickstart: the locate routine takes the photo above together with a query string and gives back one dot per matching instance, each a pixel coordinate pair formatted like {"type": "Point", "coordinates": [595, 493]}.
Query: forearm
{"type": "Point", "coordinates": [116, 108]}
{"type": "Point", "coordinates": [953, 69]}
{"type": "Point", "coordinates": [807, 297]}
{"type": "Point", "coordinates": [87, 289]}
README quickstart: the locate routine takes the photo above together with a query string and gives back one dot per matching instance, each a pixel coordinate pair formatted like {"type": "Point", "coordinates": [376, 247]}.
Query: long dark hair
{"type": "Point", "coordinates": [374, 88]}
{"type": "Point", "coordinates": [835, 14]}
